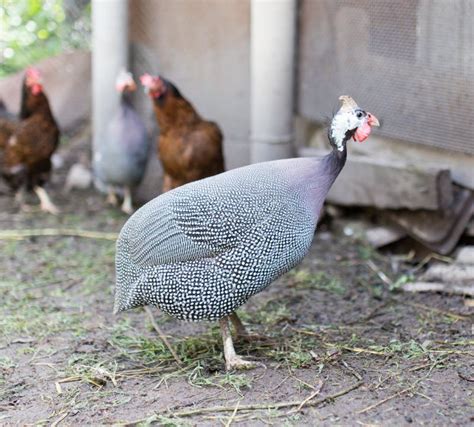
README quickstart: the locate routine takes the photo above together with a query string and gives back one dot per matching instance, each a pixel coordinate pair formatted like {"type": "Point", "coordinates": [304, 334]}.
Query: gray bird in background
{"type": "Point", "coordinates": [202, 250]}
{"type": "Point", "coordinates": [120, 160]}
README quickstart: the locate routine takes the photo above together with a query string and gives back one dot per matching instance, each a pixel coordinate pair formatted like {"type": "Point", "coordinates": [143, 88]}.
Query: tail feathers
{"type": "Point", "coordinates": [130, 296]}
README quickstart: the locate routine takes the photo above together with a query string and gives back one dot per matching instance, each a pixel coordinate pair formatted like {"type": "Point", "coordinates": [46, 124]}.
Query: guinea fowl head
{"type": "Point", "coordinates": [33, 80]}
{"type": "Point", "coordinates": [155, 86]}
{"type": "Point", "coordinates": [125, 82]}
{"type": "Point", "coordinates": [350, 121]}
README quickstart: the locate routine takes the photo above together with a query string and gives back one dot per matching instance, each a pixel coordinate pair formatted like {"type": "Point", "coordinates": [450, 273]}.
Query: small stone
{"type": "Point", "coordinates": [382, 236]}
{"type": "Point", "coordinates": [466, 255]}
{"type": "Point", "coordinates": [57, 160]}
{"type": "Point", "coordinates": [78, 177]}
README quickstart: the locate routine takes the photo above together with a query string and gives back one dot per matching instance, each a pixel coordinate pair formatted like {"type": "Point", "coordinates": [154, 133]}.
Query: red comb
{"type": "Point", "coordinates": [33, 73]}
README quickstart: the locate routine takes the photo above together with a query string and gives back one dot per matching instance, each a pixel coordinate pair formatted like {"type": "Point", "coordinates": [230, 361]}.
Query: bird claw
{"type": "Point", "coordinates": [50, 208]}
{"type": "Point", "coordinates": [46, 204]}
{"type": "Point", "coordinates": [127, 209]}
{"type": "Point", "coordinates": [238, 363]}
{"type": "Point", "coordinates": [112, 199]}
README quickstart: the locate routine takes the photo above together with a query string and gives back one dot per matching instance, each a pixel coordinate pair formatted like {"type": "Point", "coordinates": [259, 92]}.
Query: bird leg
{"type": "Point", "coordinates": [127, 201]}
{"type": "Point", "coordinates": [241, 330]}
{"type": "Point", "coordinates": [111, 197]}
{"type": "Point", "coordinates": [168, 183]}
{"type": "Point", "coordinates": [232, 360]}
{"type": "Point", "coordinates": [20, 197]}
{"type": "Point", "coordinates": [46, 204]}
{"type": "Point", "coordinates": [239, 327]}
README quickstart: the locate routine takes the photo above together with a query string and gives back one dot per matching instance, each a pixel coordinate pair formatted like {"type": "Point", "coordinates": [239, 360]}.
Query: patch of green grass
{"type": "Point", "coordinates": [91, 369]}
{"type": "Point", "coordinates": [272, 313]}
{"type": "Point", "coordinates": [165, 422]}
{"type": "Point", "coordinates": [35, 292]}
{"type": "Point", "coordinates": [6, 362]}
{"type": "Point", "coordinates": [136, 347]}
{"type": "Point", "coordinates": [366, 252]}
{"type": "Point", "coordinates": [199, 377]}
{"type": "Point", "coordinates": [237, 381]}
{"type": "Point", "coordinates": [408, 350]}
{"type": "Point", "coordinates": [304, 279]}
{"type": "Point", "coordinates": [402, 280]}
{"type": "Point", "coordinates": [294, 351]}
{"type": "Point", "coordinates": [10, 248]}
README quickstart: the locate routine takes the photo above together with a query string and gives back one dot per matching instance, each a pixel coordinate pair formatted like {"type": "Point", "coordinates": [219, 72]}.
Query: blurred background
{"type": "Point", "coordinates": [269, 72]}
{"type": "Point", "coordinates": [385, 295]}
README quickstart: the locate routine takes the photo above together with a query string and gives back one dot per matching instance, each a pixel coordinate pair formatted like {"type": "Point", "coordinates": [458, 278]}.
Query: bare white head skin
{"type": "Point", "coordinates": [125, 82]}
{"type": "Point", "coordinates": [350, 122]}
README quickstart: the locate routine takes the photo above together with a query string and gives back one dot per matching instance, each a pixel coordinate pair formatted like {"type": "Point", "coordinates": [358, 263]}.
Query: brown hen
{"type": "Point", "coordinates": [189, 147]}
{"type": "Point", "coordinates": [29, 143]}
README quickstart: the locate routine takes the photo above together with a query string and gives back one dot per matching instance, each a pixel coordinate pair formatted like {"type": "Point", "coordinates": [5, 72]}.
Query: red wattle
{"type": "Point", "coordinates": [36, 89]}
{"type": "Point", "coordinates": [362, 132]}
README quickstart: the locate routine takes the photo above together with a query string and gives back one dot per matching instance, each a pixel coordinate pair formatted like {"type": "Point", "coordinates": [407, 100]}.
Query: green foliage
{"type": "Point", "coordinates": [31, 30]}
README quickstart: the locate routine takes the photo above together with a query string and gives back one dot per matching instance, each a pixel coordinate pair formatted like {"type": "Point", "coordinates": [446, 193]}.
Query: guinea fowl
{"type": "Point", "coordinates": [120, 161]}
{"type": "Point", "coordinates": [202, 250]}
{"type": "Point", "coordinates": [189, 147]}
{"type": "Point", "coordinates": [29, 143]}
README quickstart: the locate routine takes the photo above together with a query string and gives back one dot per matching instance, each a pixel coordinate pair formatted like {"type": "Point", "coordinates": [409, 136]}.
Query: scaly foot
{"type": "Point", "coordinates": [232, 360]}
{"type": "Point", "coordinates": [112, 198]}
{"type": "Point", "coordinates": [127, 206]}
{"type": "Point", "coordinates": [46, 204]}
{"type": "Point", "coordinates": [236, 362]}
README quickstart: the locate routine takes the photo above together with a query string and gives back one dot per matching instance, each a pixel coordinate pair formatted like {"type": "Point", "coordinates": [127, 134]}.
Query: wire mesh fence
{"type": "Point", "coordinates": [411, 61]}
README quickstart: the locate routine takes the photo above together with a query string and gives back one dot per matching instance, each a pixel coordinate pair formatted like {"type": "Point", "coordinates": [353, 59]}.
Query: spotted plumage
{"type": "Point", "coordinates": [200, 251]}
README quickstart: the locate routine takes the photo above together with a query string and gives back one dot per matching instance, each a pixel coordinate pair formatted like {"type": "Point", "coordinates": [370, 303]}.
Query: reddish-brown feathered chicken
{"type": "Point", "coordinates": [190, 148]}
{"type": "Point", "coordinates": [29, 143]}
{"type": "Point", "coordinates": [8, 124]}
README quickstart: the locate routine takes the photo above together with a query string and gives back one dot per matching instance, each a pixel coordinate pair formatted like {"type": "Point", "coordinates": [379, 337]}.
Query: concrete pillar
{"type": "Point", "coordinates": [272, 59]}
{"type": "Point", "coordinates": [109, 56]}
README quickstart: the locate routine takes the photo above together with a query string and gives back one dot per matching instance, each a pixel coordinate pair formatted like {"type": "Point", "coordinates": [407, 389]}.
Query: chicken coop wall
{"type": "Point", "coordinates": [203, 47]}
{"type": "Point", "coordinates": [413, 65]}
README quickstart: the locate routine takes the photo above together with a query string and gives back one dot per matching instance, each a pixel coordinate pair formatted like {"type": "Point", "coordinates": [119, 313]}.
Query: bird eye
{"type": "Point", "coordinates": [359, 114]}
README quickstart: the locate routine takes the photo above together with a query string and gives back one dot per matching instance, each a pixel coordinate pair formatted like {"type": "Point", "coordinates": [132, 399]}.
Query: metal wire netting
{"type": "Point", "coordinates": [411, 61]}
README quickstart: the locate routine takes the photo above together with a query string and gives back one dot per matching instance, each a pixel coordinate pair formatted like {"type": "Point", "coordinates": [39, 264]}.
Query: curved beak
{"type": "Point", "coordinates": [372, 120]}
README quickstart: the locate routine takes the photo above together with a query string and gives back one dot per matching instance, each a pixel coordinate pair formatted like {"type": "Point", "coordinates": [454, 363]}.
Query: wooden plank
{"type": "Point", "coordinates": [389, 185]}
{"type": "Point", "coordinates": [440, 231]}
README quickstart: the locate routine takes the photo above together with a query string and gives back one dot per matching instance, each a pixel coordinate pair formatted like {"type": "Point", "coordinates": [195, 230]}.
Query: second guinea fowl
{"type": "Point", "coordinates": [202, 250]}
{"type": "Point", "coordinates": [120, 161]}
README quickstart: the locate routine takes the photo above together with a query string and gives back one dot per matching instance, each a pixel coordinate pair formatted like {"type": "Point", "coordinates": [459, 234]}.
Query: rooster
{"type": "Point", "coordinates": [28, 144]}
{"type": "Point", "coordinates": [189, 147]}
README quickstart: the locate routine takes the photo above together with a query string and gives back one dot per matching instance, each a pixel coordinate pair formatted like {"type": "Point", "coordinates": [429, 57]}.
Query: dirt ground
{"type": "Point", "coordinates": [343, 345]}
